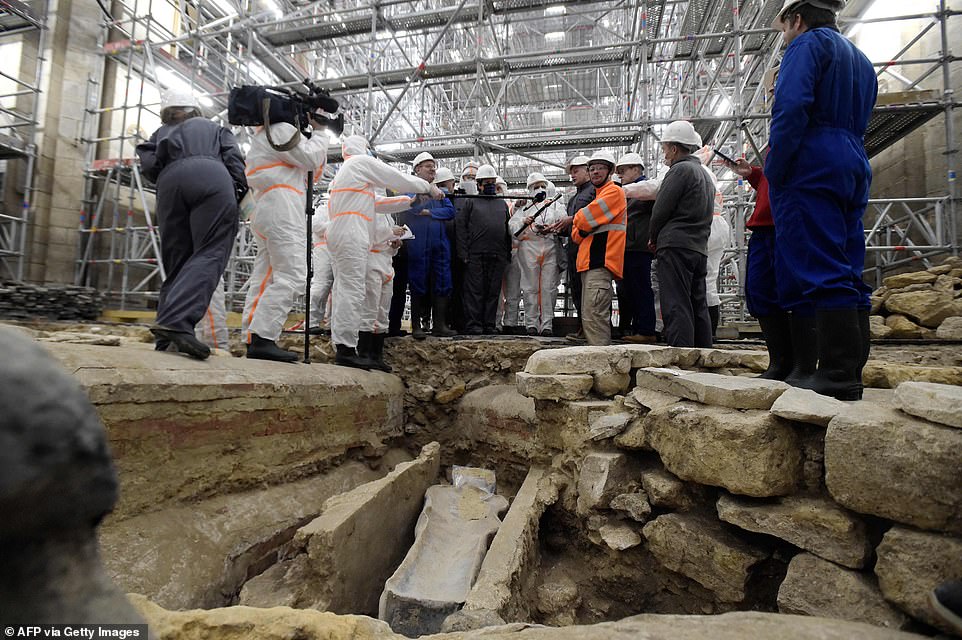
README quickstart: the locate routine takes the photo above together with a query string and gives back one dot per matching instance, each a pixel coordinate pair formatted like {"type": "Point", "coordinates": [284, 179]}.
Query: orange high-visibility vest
{"type": "Point", "coordinates": [599, 230]}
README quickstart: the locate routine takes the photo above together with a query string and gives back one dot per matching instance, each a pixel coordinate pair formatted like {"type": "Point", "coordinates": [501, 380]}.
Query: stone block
{"type": "Point", "coordinates": [804, 405]}
{"type": "Point", "coordinates": [634, 437]}
{"type": "Point", "coordinates": [713, 389]}
{"type": "Point", "coordinates": [902, 328]}
{"type": "Point", "coordinates": [611, 383]}
{"type": "Point", "coordinates": [703, 550]}
{"type": "Point", "coordinates": [878, 329]}
{"type": "Point", "coordinates": [357, 542]}
{"type": "Point", "coordinates": [947, 283]}
{"type": "Point", "coordinates": [634, 504]}
{"type": "Point", "coordinates": [882, 462]}
{"type": "Point", "coordinates": [665, 490]}
{"type": "Point", "coordinates": [814, 524]}
{"type": "Point", "coordinates": [927, 308]}
{"type": "Point", "coordinates": [940, 403]}
{"type": "Point", "coordinates": [817, 587]}
{"type": "Point", "coordinates": [602, 477]}
{"type": "Point", "coordinates": [755, 360]}
{"type": "Point", "coordinates": [579, 360]}
{"type": "Point", "coordinates": [911, 563]}
{"type": "Point", "coordinates": [650, 355]}
{"type": "Point", "coordinates": [554, 387]}
{"type": "Point", "coordinates": [648, 399]}
{"type": "Point", "coordinates": [609, 426]}
{"type": "Point", "coordinates": [747, 452]}
{"type": "Point", "coordinates": [451, 540]}
{"type": "Point", "coordinates": [950, 329]}
{"type": "Point", "coordinates": [619, 536]}
{"type": "Point", "coordinates": [905, 279]}
{"type": "Point", "coordinates": [889, 375]}
{"type": "Point", "coordinates": [876, 302]}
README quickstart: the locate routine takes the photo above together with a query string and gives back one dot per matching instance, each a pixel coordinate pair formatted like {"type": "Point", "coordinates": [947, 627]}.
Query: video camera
{"type": "Point", "coordinates": [257, 105]}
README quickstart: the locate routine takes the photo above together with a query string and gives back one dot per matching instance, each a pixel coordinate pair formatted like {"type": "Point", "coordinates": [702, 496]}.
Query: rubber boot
{"type": "Point", "coordinates": [365, 344]}
{"type": "Point", "coordinates": [865, 333]}
{"type": "Point", "coordinates": [804, 348]}
{"type": "Point", "coordinates": [346, 356]}
{"type": "Point", "coordinates": [839, 355]}
{"type": "Point", "coordinates": [263, 349]}
{"type": "Point", "coordinates": [441, 328]}
{"type": "Point", "coordinates": [777, 330]}
{"type": "Point", "coordinates": [184, 341]}
{"type": "Point", "coordinates": [417, 309]}
{"type": "Point", "coordinates": [377, 353]}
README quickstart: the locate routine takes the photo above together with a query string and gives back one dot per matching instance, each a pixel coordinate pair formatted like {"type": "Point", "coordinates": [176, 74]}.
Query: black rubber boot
{"type": "Point", "coordinates": [946, 601]}
{"type": "Point", "coordinates": [347, 357]}
{"type": "Point", "coordinates": [441, 328]}
{"type": "Point", "coordinates": [263, 349]}
{"type": "Point", "coordinates": [365, 344]}
{"type": "Point", "coordinates": [777, 330]}
{"type": "Point", "coordinates": [839, 354]}
{"type": "Point", "coordinates": [804, 348]}
{"type": "Point", "coordinates": [865, 332]}
{"type": "Point", "coordinates": [417, 315]}
{"type": "Point", "coordinates": [377, 353]}
{"type": "Point", "coordinates": [185, 342]}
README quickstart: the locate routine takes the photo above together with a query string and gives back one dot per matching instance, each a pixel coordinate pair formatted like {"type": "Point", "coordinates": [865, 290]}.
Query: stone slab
{"type": "Point", "coordinates": [650, 355]}
{"type": "Point", "coordinates": [889, 375]}
{"type": "Point", "coordinates": [703, 550]}
{"type": "Point", "coordinates": [609, 426]}
{"type": "Point", "coordinates": [665, 490]}
{"type": "Point", "coordinates": [747, 452]}
{"type": "Point", "coordinates": [817, 525]}
{"type": "Point", "coordinates": [940, 403]}
{"type": "Point", "coordinates": [911, 563]}
{"type": "Point", "coordinates": [554, 387]}
{"type": "Point", "coordinates": [635, 505]}
{"type": "Point", "coordinates": [619, 536]}
{"type": "Point", "coordinates": [817, 587]}
{"type": "Point", "coordinates": [804, 405]}
{"type": "Point", "coordinates": [602, 476]}
{"type": "Point", "coordinates": [882, 462]}
{"type": "Point", "coordinates": [950, 329]}
{"type": "Point", "coordinates": [450, 541]}
{"type": "Point", "coordinates": [754, 360]}
{"type": "Point", "coordinates": [713, 389]}
{"type": "Point", "coordinates": [579, 360]}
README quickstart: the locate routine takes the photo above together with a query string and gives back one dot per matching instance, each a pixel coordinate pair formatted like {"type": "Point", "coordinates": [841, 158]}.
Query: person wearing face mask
{"type": "Point", "coordinates": [577, 169]}
{"type": "Point", "coordinates": [484, 245]}
{"type": "Point", "coordinates": [636, 300]}
{"type": "Point", "coordinates": [536, 256]}
{"type": "Point", "coordinates": [819, 178]}
{"type": "Point", "coordinates": [678, 234]}
{"type": "Point", "coordinates": [599, 229]}
{"type": "Point", "coordinates": [467, 185]}
{"type": "Point", "coordinates": [429, 257]}
{"type": "Point", "coordinates": [350, 234]}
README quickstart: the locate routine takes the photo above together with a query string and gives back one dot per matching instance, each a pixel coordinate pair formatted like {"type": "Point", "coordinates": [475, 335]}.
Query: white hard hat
{"type": "Point", "coordinates": [500, 180]}
{"type": "Point", "coordinates": [536, 177]}
{"type": "Point", "coordinates": [577, 161]}
{"type": "Point", "coordinates": [602, 156]}
{"type": "Point", "coordinates": [424, 156]}
{"type": "Point", "coordinates": [630, 159]}
{"type": "Point", "coordinates": [443, 175]}
{"type": "Point", "coordinates": [486, 171]}
{"type": "Point", "coordinates": [470, 165]}
{"type": "Point", "coordinates": [682, 132]}
{"type": "Point", "coordinates": [174, 98]}
{"type": "Point", "coordinates": [832, 5]}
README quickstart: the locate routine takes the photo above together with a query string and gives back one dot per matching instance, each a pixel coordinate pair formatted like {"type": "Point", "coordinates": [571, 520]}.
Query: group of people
{"type": "Point", "coordinates": [468, 252]}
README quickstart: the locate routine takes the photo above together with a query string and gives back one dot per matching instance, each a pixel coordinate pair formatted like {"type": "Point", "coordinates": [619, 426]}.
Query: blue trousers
{"type": "Point", "coordinates": [763, 295]}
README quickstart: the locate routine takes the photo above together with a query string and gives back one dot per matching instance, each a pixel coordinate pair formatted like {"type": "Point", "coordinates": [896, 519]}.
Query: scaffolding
{"type": "Point", "coordinates": [22, 25]}
{"type": "Point", "coordinates": [522, 84]}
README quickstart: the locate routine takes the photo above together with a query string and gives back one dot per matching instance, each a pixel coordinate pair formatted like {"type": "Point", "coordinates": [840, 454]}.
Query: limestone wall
{"type": "Point", "coordinates": [853, 510]}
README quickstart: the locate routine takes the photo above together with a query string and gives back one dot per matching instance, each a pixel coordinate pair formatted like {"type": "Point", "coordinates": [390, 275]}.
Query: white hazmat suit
{"type": "Point", "coordinates": [323, 278]}
{"type": "Point", "coordinates": [350, 232]}
{"type": "Point", "coordinates": [537, 258]}
{"type": "Point", "coordinates": [212, 328]}
{"type": "Point", "coordinates": [278, 179]}
{"type": "Point", "coordinates": [380, 277]}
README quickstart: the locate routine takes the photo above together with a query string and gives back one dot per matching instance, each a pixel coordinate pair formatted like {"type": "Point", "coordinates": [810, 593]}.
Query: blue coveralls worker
{"type": "Point", "coordinates": [819, 178]}
{"type": "Point", "coordinates": [199, 171]}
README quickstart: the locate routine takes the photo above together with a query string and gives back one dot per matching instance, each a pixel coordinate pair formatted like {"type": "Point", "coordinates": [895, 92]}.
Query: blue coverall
{"type": "Point", "coordinates": [429, 253]}
{"type": "Point", "coordinates": [818, 171]}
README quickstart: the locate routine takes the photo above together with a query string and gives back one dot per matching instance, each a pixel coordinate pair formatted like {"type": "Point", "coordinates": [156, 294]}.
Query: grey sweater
{"type": "Point", "coordinates": [683, 209]}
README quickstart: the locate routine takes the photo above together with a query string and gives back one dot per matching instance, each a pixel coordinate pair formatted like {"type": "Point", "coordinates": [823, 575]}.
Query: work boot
{"type": "Point", "coordinates": [441, 328]}
{"type": "Point", "coordinates": [532, 331]}
{"type": "Point", "coordinates": [417, 316]}
{"type": "Point", "coordinates": [547, 333]}
{"type": "Point", "coordinates": [346, 356]}
{"type": "Point", "coordinates": [185, 341]}
{"type": "Point", "coordinates": [263, 349]}
{"type": "Point", "coordinates": [376, 354]}
{"type": "Point", "coordinates": [777, 330]}
{"type": "Point", "coordinates": [365, 344]}
{"type": "Point", "coordinates": [946, 601]}
{"type": "Point", "coordinates": [839, 354]}
{"type": "Point", "coordinates": [804, 348]}
{"type": "Point", "coordinates": [865, 332]}
{"type": "Point", "coordinates": [578, 337]}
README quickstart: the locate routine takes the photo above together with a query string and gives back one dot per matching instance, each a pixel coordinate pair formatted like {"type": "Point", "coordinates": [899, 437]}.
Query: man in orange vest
{"type": "Point", "coordinates": [599, 230]}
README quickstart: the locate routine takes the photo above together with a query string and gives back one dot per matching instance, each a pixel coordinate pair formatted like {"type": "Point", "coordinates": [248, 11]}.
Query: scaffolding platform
{"type": "Point", "coordinates": [897, 115]}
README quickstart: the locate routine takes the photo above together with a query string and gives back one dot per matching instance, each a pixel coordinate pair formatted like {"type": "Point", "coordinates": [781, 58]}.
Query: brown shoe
{"type": "Point", "coordinates": [637, 339]}
{"type": "Point", "coordinates": [578, 338]}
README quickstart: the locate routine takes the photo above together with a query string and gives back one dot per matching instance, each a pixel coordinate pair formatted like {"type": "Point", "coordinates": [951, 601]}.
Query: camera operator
{"type": "Point", "coordinates": [278, 179]}
{"type": "Point", "coordinates": [199, 171]}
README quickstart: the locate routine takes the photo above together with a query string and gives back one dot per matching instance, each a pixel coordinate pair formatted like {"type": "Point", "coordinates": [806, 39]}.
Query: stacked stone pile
{"type": "Point", "coordinates": [720, 478]}
{"type": "Point", "coordinates": [51, 301]}
{"type": "Point", "coordinates": [921, 304]}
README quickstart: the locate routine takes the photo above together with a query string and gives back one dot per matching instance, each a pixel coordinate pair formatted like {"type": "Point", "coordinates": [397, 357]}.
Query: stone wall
{"type": "Point", "coordinates": [920, 304]}
{"type": "Point", "coordinates": [854, 510]}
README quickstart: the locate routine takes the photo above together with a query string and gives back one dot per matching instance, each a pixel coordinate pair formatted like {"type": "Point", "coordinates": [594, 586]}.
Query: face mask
{"type": "Point", "coordinates": [615, 177]}
{"type": "Point", "coordinates": [470, 187]}
{"type": "Point", "coordinates": [490, 189]}
{"type": "Point", "coordinates": [535, 192]}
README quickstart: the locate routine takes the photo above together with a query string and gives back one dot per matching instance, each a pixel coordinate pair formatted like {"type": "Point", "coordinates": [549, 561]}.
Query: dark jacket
{"type": "Point", "coordinates": [482, 227]}
{"type": "Point", "coordinates": [195, 137]}
{"type": "Point", "coordinates": [639, 219]}
{"type": "Point", "coordinates": [581, 199]}
{"type": "Point", "coordinates": [681, 217]}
